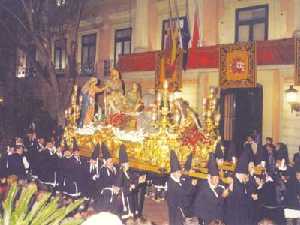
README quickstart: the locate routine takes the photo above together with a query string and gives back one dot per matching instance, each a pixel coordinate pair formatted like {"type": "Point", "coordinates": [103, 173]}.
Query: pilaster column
{"type": "Point", "coordinates": [297, 17]}
{"type": "Point", "coordinates": [141, 34]}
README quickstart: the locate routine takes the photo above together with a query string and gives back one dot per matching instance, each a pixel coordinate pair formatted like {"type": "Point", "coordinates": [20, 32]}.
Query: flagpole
{"type": "Point", "coordinates": [177, 13]}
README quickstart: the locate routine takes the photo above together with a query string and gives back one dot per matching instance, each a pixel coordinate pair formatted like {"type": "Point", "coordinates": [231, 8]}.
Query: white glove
{"type": "Point", "coordinates": [25, 163]}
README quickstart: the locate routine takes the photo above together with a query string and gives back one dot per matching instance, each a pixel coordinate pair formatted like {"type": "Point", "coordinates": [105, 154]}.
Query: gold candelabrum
{"type": "Point", "coordinates": [211, 121]}
{"type": "Point", "coordinates": [211, 114]}
{"type": "Point", "coordinates": [164, 109]}
{"type": "Point", "coordinates": [71, 117]}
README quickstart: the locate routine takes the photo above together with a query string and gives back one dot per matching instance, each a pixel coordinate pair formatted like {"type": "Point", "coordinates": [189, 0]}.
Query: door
{"type": "Point", "coordinates": [242, 111]}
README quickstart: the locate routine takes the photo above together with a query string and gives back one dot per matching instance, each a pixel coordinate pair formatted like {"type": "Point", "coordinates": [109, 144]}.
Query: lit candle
{"type": "Point", "coordinates": [204, 101]}
{"type": "Point", "coordinates": [158, 98]}
{"type": "Point", "coordinates": [171, 97]}
{"type": "Point", "coordinates": [153, 115]}
{"type": "Point", "coordinates": [165, 85]}
{"type": "Point", "coordinates": [217, 117]}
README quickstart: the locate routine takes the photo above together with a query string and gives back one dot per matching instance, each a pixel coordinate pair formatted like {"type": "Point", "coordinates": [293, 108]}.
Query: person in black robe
{"type": "Point", "coordinates": [4, 173]}
{"type": "Point", "coordinates": [31, 143]}
{"type": "Point", "coordinates": [269, 159]}
{"type": "Point", "coordinates": [254, 184]}
{"type": "Point", "coordinates": [3, 169]}
{"type": "Point", "coordinates": [237, 203]}
{"type": "Point", "coordinates": [296, 157]}
{"type": "Point", "coordinates": [139, 191]}
{"type": "Point", "coordinates": [270, 208]}
{"type": "Point", "coordinates": [219, 153]}
{"type": "Point", "coordinates": [59, 166]}
{"type": "Point", "coordinates": [175, 192]}
{"type": "Point", "coordinates": [293, 193]}
{"type": "Point", "coordinates": [129, 181]}
{"type": "Point", "coordinates": [92, 171]}
{"type": "Point", "coordinates": [15, 164]}
{"type": "Point", "coordinates": [269, 141]}
{"type": "Point", "coordinates": [278, 189]}
{"type": "Point", "coordinates": [253, 150]}
{"type": "Point", "coordinates": [107, 198]}
{"type": "Point", "coordinates": [189, 185]}
{"type": "Point", "coordinates": [82, 177]}
{"type": "Point", "coordinates": [37, 146]}
{"type": "Point", "coordinates": [69, 178]}
{"type": "Point", "coordinates": [283, 174]}
{"type": "Point", "coordinates": [209, 202]}
{"type": "Point", "coordinates": [282, 151]}
{"type": "Point", "coordinates": [47, 165]}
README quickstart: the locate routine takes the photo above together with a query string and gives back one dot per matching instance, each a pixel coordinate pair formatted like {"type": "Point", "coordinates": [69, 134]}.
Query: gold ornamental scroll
{"type": "Point", "coordinates": [237, 66]}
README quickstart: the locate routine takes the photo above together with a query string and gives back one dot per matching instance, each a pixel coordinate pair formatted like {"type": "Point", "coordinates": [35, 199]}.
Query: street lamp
{"type": "Point", "coordinates": [292, 98]}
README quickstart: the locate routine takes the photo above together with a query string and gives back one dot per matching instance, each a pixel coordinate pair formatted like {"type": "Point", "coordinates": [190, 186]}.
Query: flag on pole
{"type": "Point", "coordinates": [196, 38]}
{"type": "Point", "coordinates": [196, 33]}
{"type": "Point", "coordinates": [185, 37]}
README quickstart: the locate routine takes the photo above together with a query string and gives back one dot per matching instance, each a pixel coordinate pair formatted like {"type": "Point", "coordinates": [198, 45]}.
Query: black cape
{"type": "Point", "coordinates": [209, 205]}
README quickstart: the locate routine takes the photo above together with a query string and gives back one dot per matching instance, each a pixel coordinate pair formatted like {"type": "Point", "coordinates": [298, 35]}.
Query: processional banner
{"type": "Point", "coordinates": [168, 70]}
{"type": "Point", "coordinates": [237, 66]}
{"type": "Point", "coordinates": [297, 61]}
{"type": "Point", "coordinates": [169, 60]}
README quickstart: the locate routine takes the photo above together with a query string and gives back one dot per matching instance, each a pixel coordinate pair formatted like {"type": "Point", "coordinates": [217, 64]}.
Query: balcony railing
{"type": "Point", "coordinates": [88, 69]}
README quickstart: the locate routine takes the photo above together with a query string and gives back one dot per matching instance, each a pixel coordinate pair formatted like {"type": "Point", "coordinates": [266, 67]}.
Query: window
{"type": "Point", "coordinates": [25, 63]}
{"type": "Point", "coordinates": [60, 3]}
{"type": "Point", "coordinates": [21, 64]}
{"type": "Point", "coordinates": [107, 66]}
{"type": "Point", "coordinates": [122, 43]}
{"type": "Point", "coordinates": [166, 27]}
{"type": "Point", "coordinates": [60, 54]}
{"type": "Point", "coordinates": [88, 54]}
{"type": "Point", "coordinates": [251, 23]}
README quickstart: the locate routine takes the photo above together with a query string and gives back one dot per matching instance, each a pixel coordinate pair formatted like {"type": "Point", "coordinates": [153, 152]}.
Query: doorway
{"type": "Point", "coordinates": [242, 113]}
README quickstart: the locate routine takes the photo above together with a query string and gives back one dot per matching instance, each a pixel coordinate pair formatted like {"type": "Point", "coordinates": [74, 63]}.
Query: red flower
{"type": "Point", "coordinates": [117, 119]}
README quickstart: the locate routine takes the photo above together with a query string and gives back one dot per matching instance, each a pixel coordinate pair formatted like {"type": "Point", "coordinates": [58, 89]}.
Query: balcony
{"type": "Point", "coordinates": [274, 52]}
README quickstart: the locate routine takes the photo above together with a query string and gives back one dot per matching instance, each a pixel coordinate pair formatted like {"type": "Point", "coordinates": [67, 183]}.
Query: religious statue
{"type": "Point", "coordinates": [87, 100]}
{"type": "Point", "coordinates": [183, 114]}
{"type": "Point", "coordinates": [113, 90]}
{"type": "Point", "coordinates": [134, 98]}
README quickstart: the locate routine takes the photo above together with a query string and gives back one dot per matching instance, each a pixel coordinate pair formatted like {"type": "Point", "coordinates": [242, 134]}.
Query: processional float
{"type": "Point", "coordinates": [150, 150]}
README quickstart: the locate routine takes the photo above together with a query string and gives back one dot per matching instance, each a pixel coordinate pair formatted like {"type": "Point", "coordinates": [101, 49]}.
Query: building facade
{"type": "Point", "coordinates": [112, 28]}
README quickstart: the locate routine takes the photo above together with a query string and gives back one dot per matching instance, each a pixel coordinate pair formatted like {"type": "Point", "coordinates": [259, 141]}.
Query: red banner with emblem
{"type": "Point", "coordinates": [237, 65]}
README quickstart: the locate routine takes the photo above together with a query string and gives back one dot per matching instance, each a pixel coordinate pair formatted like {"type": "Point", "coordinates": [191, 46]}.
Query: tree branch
{"type": "Point", "coordinates": [15, 17]}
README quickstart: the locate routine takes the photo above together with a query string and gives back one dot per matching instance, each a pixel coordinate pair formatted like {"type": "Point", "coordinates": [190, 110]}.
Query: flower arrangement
{"type": "Point", "coordinates": [191, 136]}
{"type": "Point", "coordinates": [118, 119]}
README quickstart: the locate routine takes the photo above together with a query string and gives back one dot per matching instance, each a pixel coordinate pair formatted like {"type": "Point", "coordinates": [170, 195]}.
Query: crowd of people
{"type": "Point", "coordinates": [245, 197]}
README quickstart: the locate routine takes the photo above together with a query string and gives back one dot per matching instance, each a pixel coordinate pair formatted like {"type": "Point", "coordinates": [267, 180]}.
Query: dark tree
{"type": "Point", "coordinates": [34, 24]}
